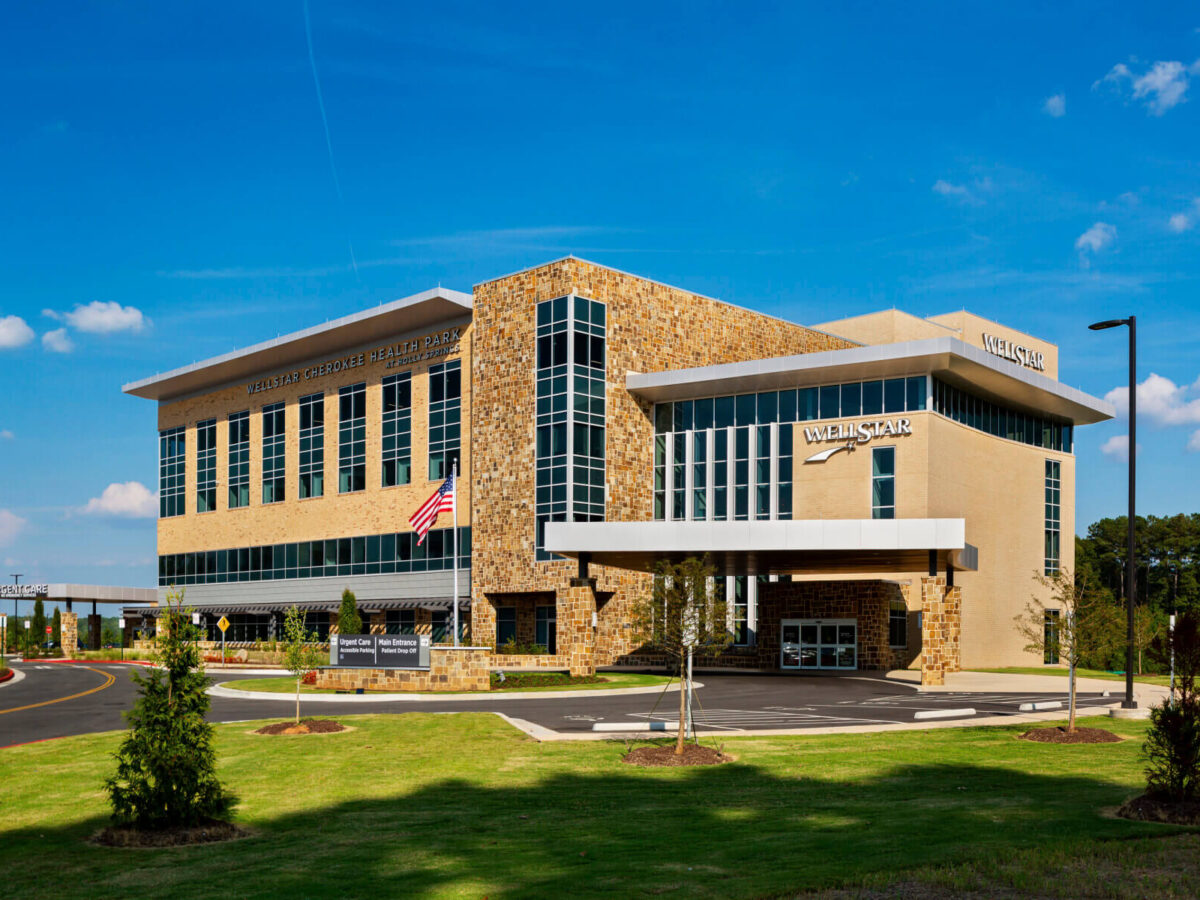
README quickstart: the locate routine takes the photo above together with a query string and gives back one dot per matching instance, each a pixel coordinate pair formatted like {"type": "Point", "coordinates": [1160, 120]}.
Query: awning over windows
{"type": "Point", "coordinates": [796, 546]}
{"type": "Point", "coordinates": [259, 608]}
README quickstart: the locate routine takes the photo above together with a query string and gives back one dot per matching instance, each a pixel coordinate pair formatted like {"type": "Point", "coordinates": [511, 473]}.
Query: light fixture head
{"type": "Point", "coordinates": [1108, 323]}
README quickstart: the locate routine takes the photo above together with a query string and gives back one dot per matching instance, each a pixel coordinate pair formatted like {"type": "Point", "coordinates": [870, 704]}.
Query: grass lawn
{"type": "Point", "coordinates": [1161, 680]}
{"type": "Point", "coordinates": [465, 806]}
{"type": "Point", "coordinates": [287, 685]}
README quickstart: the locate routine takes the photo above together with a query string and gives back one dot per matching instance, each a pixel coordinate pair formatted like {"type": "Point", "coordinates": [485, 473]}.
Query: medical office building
{"type": "Point", "coordinates": [877, 491]}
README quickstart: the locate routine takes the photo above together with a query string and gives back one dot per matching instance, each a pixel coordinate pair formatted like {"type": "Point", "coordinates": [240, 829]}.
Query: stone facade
{"type": "Point", "coordinates": [651, 327]}
{"type": "Point", "coordinates": [69, 631]}
{"type": "Point", "coordinates": [941, 616]}
{"type": "Point", "coordinates": [450, 669]}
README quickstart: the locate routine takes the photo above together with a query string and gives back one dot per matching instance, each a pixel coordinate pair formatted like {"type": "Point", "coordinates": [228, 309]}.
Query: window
{"type": "Point", "coordinates": [506, 625]}
{"type": "Point", "coordinates": [239, 460]}
{"type": "Point", "coordinates": [312, 446]}
{"type": "Point", "coordinates": [897, 625]}
{"type": "Point", "coordinates": [367, 555]}
{"type": "Point", "coordinates": [545, 622]}
{"type": "Point", "coordinates": [445, 417]}
{"type": "Point", "coordinates": [1053, 522]}
{"type": "Point", "coordinates": [397, 429]}
{"type": "Point", "coordinates": [243, 627]}
{"type": "Point", "coordinates": [1050, 638]}
{"type": "Point", "coordinates": [740, 610]}
{"type": "Point", "coordinates": [171, 472]}
{"type": "Point", "coordinates": [273, 453]}
{"type": "Point", "coordinates": [206, 465]}
{"type": "Point", "coordinates": [400, 621]}
{"type": "Point", "coordinates": [883, 482]}
{"type": "Point", "coordinates": [352, 438]}
{"type": "Point", "coordinates": [1010, 424]}
{"type": "Point", "coordinates": [442, 629]}
{"type": "Point", "coordinates": [570, 425]}
{"type": "Point", "coordinates": [318, 621]}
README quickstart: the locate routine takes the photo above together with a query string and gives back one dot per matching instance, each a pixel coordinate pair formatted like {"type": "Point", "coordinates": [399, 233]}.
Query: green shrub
{"type": "Point", "coordinates": [349, 621]}
{"type": "Point", "coordinates": [1172, 747]}
{"type": "Point", "coordinates": [166, 766]}
{"type": "Point", "coordinates": [515, 648]}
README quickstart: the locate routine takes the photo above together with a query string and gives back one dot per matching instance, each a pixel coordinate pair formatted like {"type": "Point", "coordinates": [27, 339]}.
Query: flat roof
{"type": "Point", "coordinates": [99, 593]}
{"type": "Point", "coordinates": [950, 358]}
{"type": "Point", "coordinates": [412, 313]}
{"type": "Point", "coordinates": [802, 546]}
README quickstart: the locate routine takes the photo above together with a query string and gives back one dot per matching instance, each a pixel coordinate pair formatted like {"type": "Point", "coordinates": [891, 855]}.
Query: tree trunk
{"type": "Point", "coordinates": [682, 712]}
{"type": "Point", "coordinates": [298, 678]}
{"type": "Point", "coordinates": [1071, 698]}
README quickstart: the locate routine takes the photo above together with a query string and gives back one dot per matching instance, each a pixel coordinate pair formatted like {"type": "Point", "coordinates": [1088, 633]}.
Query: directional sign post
{"type": "Point", "coordinates": [121, 628]}
{"type": "Point", "coordinates": [223, 625]}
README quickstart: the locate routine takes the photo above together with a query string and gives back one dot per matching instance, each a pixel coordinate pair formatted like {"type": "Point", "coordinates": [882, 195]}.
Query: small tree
{"type": "Point", "coordinates": [56, 627]}
{"type": "Point", "coordinates": [683, 613]}
{"type": "Point", "coordinates": [1172, 747]}
{"type": "Point", "coordinates": [300, 655]}
{"type": "Point", "coordinates": [38, 632]}
{"type": "Point", "coordinates": [1148, 627]}
{"type": "Point", "coordinates": [349, 621]}
{"type": "Point", "coordinates": [1083, 627]}
{"type": "Point", "coordinates": [166, 766]}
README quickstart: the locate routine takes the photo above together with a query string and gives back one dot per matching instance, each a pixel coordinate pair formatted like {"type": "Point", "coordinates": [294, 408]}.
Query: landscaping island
{"type": "Point", "coordinates": [513, 681]}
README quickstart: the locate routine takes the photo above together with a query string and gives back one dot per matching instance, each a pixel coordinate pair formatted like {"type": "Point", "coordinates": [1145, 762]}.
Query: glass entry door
{"type": "Point", "coordinates": [818, 644]}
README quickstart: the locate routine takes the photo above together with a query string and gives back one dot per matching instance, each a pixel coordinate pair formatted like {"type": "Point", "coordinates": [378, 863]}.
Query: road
{"type": "Point", "coordinates": [60, 699]}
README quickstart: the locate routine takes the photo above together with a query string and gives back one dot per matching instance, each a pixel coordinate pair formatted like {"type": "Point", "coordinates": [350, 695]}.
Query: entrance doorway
{"type": "Point", "coordinates": [818, 644]}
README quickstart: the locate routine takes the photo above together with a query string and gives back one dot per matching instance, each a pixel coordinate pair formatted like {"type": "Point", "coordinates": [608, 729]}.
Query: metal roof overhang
{"type": "Point", "coordinates": [100, 593]}
{"type": "Point", "coordinates": [950, 359]}
{"type": "Point", "coordinates": [798, 546]}
{"type": "Point", "coordinates": [235, 608]}
{"type": "Point", "coordinates": [420, 311]}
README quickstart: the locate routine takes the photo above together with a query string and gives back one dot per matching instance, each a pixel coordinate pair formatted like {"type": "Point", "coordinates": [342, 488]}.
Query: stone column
{"type": "Point", "coordinates": [70, 634]}
{"type": "Point", "coordinates": [576, 631]}
{"type": "Point", "coordinates": [953, 652]}
{"type": "Point", "coordinates": [933, 630]}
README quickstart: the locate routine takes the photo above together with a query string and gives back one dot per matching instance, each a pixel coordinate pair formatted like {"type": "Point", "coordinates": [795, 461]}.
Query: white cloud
{"type": "Point", "coordinates": [1161, 401]}
{"type": "Point", "coordinates": [1056, 106]}
{"type": "Point", "coordinates": [1193, 444]}
{"type": "Point", "coordinates": [101, 317]}
{"type": "Point", "coordinates": [11, 525]}
{"type": "Point", "coordinates": [1179, 223]}
{"type": "Point", "coordinates": [1117, 448]}
{"type": "Point", "coordinates": [1160, 88]}
{"type": "Point", "coordinates": [963, 193]}
{"type": "Point", "coordinates": [57, 341]}
{"type": "Point", "coordinates": [6, 435]}
{"type": "Point", "coordinates": [1097, 238]}
{"type": "Point", "coordinates": [14, 332]}
{"type": "Point", "coordinates": [131, 499]}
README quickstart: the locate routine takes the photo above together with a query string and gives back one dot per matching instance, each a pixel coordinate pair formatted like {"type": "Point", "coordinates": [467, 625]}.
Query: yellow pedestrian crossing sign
{"type": "Point", "coordinates": [223, 624]}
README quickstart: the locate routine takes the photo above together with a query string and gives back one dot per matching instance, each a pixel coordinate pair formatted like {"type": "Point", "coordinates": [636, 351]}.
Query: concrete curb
{"type": "Point", "coordinates": [543, 734]}
{"type": "Point", "coordinates": [17, 675]}
{"type": "Point", "coordinates": [220, 690]}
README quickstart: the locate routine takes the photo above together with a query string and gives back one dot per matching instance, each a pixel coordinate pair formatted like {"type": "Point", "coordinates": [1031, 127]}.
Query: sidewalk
{"type": "Point", "coordinates": [995, 682]}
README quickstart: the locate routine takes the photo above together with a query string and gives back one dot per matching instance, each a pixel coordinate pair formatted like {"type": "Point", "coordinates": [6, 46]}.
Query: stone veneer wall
{"type": "Point", "coordinates": [941, 627]}
{"type": "Point", "coordinates": [70, 634]}
{"type": "Point", "coordinates": [651, 327]}
{"type": "Point", "coordinates": [450, 669]}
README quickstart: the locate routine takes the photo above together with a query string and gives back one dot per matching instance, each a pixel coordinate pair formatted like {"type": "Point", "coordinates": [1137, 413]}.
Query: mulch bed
{"type": "Point", "coordinates": [1148, 809]}
{"type": "Point", "coordinates": [305, 726]}
{"type": "Point", "coordinates": [208, 833]}
{"type": "Point", "coordinates": [664, 755]}
{"type": "Point", "coordinates": [1060, 735]}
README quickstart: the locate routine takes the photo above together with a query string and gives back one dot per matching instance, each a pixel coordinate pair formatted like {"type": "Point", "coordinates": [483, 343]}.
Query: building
{"type": "Point", "coordinates": [877, 491]}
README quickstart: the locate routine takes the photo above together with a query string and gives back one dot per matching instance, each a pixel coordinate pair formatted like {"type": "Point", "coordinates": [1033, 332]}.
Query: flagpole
{"type": "Point", "coordinates": [454, 475]}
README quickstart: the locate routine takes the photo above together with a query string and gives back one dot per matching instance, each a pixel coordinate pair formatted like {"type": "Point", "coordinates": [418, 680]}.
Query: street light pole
{"type": "Point", "coordinates": [1131, 550]}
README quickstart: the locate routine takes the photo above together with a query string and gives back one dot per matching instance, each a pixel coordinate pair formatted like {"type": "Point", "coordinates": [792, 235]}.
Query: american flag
{"type": "Point", "coordinates": [441, 501]}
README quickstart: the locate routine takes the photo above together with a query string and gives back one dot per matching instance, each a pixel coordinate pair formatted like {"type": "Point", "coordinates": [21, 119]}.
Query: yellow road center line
{"type": "Point", "coordinates": [109, 682]}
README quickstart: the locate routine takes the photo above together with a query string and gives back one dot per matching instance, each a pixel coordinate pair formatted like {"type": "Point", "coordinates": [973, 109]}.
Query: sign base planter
{"type": "Point", "coordinates": [453, 669]}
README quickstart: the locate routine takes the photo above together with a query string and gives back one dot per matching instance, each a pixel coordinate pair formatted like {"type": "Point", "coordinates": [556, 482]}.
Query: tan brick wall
{"type": "Point", "coordinates": [651, 327]}
{"type": "Point", "coordinates": [375, 510]}
{"type": "Point", "coordinates": [450, 669]}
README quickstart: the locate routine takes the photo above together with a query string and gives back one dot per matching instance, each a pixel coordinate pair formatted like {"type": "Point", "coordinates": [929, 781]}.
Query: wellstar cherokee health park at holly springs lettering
{"type": "Point", "coordinates": [875, 492]}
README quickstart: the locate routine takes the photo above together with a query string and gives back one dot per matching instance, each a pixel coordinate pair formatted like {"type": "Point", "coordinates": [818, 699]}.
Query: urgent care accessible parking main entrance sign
{"type": "Point", "coordinates": [379, 651]}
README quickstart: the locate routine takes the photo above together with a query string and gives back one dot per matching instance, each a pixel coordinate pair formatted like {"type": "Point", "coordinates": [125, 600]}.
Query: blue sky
{"type": "Point", "coordinates": [170, 192]}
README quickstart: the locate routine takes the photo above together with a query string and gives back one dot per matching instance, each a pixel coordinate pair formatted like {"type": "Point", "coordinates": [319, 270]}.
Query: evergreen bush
{"type": "Point", "coordinates": [349, 621]}
{"type": "Point", "coordinates": [166, 766]}
{"type": "Point", "coordinates": [1172, 745]}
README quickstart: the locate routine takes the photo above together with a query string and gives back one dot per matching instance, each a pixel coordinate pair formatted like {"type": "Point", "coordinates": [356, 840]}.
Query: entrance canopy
{"type": "Point", "coordinates": [797, 546]}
